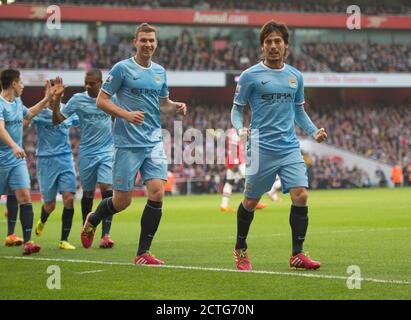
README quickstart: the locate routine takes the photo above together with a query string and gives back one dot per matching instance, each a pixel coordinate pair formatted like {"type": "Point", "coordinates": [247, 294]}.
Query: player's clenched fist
{"type": "Point", "coordinates": [181, 108]}
{"type": "Point", "coordinates": [321, 135]}
{"type": "Point", "coordinates": [135, 117]}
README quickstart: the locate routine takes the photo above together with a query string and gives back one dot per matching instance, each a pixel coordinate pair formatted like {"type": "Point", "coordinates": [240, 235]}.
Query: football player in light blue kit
{"type": "Point", "coordinates": [55, 170]}
{"type": "Point", "coordinates": [275, 93]}
{"type": "Point", "coordinates": [96, 146]}
{"type": "Point", "coordinates": [141, 89]}
{"type": "Point", "coordinates": [14, 174]}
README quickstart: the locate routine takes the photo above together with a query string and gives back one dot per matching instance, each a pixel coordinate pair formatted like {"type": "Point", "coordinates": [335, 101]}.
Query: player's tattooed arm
{"type": "Point", "coordinates": [58, 117]}
{"type": "Point", "coordinates": [39, 106]}
{"type": "Point", "coordinates": [180, 107]}
{"type": "Point", "coordinates": [8, 140]}
{"type": "Point", "coordinates": [104, 103]}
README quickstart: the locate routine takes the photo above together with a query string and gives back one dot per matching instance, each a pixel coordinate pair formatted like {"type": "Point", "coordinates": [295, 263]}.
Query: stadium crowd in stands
{"type": "Point", "coordinates": [365, 130]}
{"type": "Point", "coordinates": [193, 52]}
{"type": "Point", "coordinates": [370, 7]}
{"type": "Point", "coordinates": [368, 130]}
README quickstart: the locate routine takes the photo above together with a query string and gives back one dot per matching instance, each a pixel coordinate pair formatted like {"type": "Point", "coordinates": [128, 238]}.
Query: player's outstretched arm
{"type": "Point", "coordinates": [180, 107]}
{"type": "Point", "coordinates": [104, 103]}
{"type": "Point", "coordinates": [8, 140]}
{"type": "Point", "coordinates": [39, 106]}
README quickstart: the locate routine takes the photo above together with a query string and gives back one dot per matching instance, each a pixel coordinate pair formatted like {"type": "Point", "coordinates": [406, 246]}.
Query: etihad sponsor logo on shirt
{"type": "Point", "coordinates": [293, 82]}
{"type": "Point", "coordinates": [96, 116]}
{"type": "Point", "coordinates": [278, 97]}
{"type": "Point", "coordinates": [145, 91]}
{"type": "Point", "coordinates": [57, 127]}
{"type": "Point", "coordinates": [13, 122]}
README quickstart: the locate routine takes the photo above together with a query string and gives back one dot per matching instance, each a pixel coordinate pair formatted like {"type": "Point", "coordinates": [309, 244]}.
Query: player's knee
{"type": "Point", "coordinates": [68, 200]}
{"type": "Point", "coordinates": [23, 196]}
{"type": "Point", "coordinates": [50, 206]}
{"type": "Point", "coordinates": [156, 194]}
{"type": "Point", "coordinates": [299, 197]}
{"type": "Point", "coordinates": [250, 204]}
{"type": "Point", "coordinates": [228, 187]}
{"type": "Point", "coordinates": [121, 203]}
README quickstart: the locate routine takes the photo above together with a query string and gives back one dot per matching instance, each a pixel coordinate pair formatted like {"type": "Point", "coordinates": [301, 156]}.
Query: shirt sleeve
{"type": "Point", "coordinates": [299, 96]}
{"type": "Point", "coordinates": [243, 90]}
{"type": "Point", "coordinates": [114, 80]}
{"type": "Point", "coordinates": [164, 90]}
{"type": "Point", "coordinates": [1, 112]}
{"type": "Point", "coordinates": [25, 111]}
{"type": "Point", "coordinates": [304, 121]}
{"type": "Point", "coordinates": [237, 116]}
{"type": "Point", "coordinates": [69, 108]}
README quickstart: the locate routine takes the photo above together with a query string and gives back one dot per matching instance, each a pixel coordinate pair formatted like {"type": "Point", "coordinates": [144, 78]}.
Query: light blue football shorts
{"type": "Point", "coordinates": [150, 161]}
{"type": "Point", "coordinates": [14, 178]}
{"type": "Point", "coordinates": [95, 169]}
{"type": "Point", "coordinates": [290, 168]}
{"type": "Point", "coordinates": [56, 174]}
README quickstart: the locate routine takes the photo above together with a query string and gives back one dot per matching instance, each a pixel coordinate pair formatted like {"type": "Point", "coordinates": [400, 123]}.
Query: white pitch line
{"type": "Point", "coordinates": [291, 274]}
{"type": "Point", "coordinates": [92, 271]}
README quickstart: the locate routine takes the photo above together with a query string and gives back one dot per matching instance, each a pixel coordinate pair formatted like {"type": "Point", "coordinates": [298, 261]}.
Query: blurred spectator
{"type": "Point", "coordinates": [407, 175]}
{"type": "Point", "coordinates": [367, 129]}
{"type": "Point", "coordinates": [396, 175]}
{"type": "Point", "coordinates": [382, 180]}
{"type": "Point", "coordinates": [169, 185]}
{"type": "Point", "coordinates": [192, 52]}
{"type": "Point", "coordinates": [358, 57]}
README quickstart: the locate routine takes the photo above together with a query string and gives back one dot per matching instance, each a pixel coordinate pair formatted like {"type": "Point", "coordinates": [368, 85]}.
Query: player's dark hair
{"type": "Point", "coordinates": [7, 77]}
{"type": "Point", "coordinates": [96, 73]}
{"type": "Point", "coordinates": [271, 26]}
{"type": "Point", "coordinates": [145, 27]}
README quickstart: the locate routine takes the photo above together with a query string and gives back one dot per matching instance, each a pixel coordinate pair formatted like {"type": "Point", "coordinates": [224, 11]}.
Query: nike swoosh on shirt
{"type": "Point", "coordinates": [265, 82]}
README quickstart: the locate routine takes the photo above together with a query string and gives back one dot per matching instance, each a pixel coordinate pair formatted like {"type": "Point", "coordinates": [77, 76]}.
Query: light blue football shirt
{"type": "Point", "coordinates": [276, 99]}
{"type": "Point", "coordinates": [53, 140]}
{"type": "Point", "coordinates": [12, 113]}
{"type": "Point", "coordinates": [137, 89]}
{"type": "Point", "coordinates": [95, 124]}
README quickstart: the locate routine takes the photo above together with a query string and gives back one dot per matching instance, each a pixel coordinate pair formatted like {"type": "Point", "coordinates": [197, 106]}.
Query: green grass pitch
{"type": "Point", "coordinates": [370, 229]}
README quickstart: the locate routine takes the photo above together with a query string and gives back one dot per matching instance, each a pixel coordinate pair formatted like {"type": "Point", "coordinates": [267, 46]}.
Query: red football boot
{"type": "Point", "coordinates": [87, 233]}
{"type": "Point", "coordinates": [303, 261]}
{"type": "Point", "coordinates": [147, 258]}
{"type": "Point", "coordinates": [30, 247]}
{"type": "Point", "coordinates": [241, 259]}
{"type": "Point", "coordinates": [106, 242]}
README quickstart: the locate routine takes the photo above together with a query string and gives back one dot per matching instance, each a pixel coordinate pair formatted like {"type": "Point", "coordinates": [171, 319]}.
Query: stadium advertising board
{"type": "Point", "coordinates": [206, 17]}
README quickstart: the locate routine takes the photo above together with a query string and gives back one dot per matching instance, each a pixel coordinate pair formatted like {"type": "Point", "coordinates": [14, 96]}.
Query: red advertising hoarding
{"type": "Point", "coordinates": [198, 17]}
